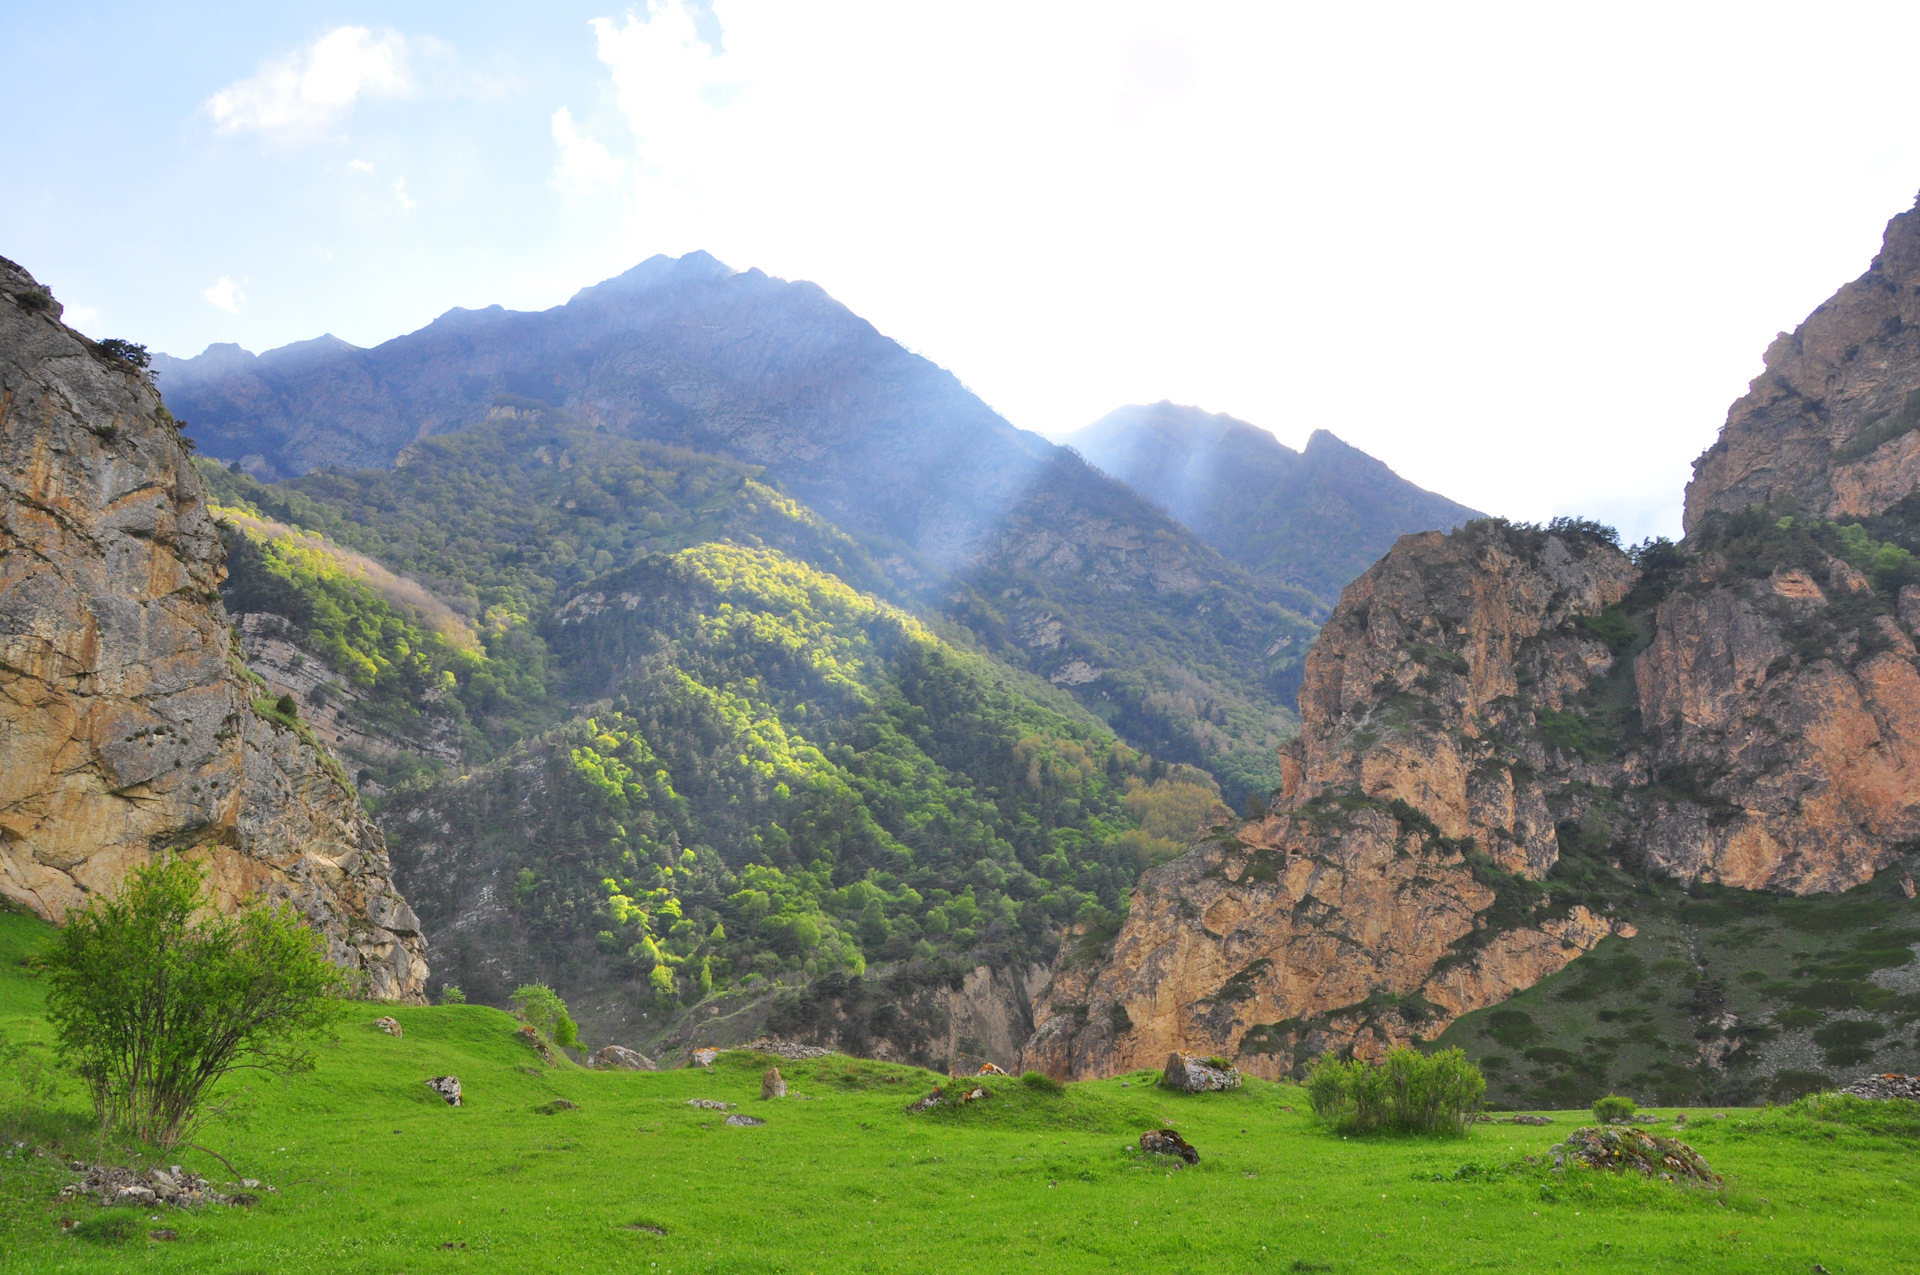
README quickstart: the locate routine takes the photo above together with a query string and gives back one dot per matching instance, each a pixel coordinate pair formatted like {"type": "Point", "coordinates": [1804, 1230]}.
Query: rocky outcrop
{"type": "Point", "coordinates": [1352, 917]}
{"type": "Point", "coordinates": [128, 724]}
{"type": "Point", "coordinates": [1830, 425]}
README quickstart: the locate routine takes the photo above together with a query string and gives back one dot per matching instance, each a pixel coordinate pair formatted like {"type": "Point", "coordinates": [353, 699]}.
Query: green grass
{"type": "Point", "coordinates": [374, 1174]}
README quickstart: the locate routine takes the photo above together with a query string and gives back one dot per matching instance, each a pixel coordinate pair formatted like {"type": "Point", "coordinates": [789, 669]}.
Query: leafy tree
{"type": "Point", "coordinates": [154, 998]}
{"type": "Point", "coordinates": [540, 1007]}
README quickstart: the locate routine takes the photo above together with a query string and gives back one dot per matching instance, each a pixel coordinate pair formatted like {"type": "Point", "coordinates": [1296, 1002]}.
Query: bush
{"type": "Point", "coordinates": [151, 1006]}
{"type": "Point", "coordinates": [1614, 1107]}
{"type": "Point", "coordinates": [1041, 1081]}
{"type": "Point", "coordinates": [540, 1007]}
{"type": "Point", "coordinates": [452, 995]}
{"type": "Point", "coordinates": [1410, 1092]}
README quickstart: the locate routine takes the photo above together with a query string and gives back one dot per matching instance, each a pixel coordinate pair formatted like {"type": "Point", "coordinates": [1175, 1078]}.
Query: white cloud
{"type": "Point", "coordinates": [359, 166]}
{"type": "Point", "coordinates": [304, 94]}
{"type": "Point", "coordinates": [585, 163]}
{"type": "Point", "coordinates": [400, 193]}
{"type": "Point", "coordinates": [227, 295]}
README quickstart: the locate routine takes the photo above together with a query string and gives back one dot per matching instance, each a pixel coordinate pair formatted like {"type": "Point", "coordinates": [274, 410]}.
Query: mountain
{"type": "Point", "coordinates": [128, 725]}
{"type": "Point", "coordinates": [1697, 761]}
{"type": "Point", "coordinates": [1312, 519]}
{"type": "Point", "coordinates": [1050, 565]}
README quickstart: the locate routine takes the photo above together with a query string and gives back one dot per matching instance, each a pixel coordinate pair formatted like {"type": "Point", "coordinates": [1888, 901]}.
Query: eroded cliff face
{"type": "Point", "coordinates": [1830, 425]}
{"type": "Point", "coordinates": [1353, 917]}
{"type": "Point", "coordinates": [127, 724]}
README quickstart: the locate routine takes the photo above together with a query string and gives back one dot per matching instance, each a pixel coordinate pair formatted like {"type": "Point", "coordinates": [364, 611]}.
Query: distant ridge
{"type": "Point", "coordinates": [1312, 519]}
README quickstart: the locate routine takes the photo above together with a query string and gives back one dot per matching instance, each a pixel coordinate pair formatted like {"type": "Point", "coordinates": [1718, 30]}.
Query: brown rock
{"type": "Point", "coordinates": [621, 1058]}
{"type": "Point", "coordinates": [773, 1085]}
{"type": "Point", "coordinates": [391, 1026]}
{"type": "Point", "coordinates": [127, 723]}
{"type": "Point", "coordinates": [1167, 1142]}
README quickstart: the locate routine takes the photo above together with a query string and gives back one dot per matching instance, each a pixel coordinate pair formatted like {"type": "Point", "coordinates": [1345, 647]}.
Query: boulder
{"type": "Point", "coordinates": [772, 1085]}
{"type": "Point", "coordinates": [740, 1121]}
{"type": "Point", "coordinates": [708, 1104]}
{"type": "Point", "coordinates": [1189, 1074]}
{"type": "Point", "coordinates": [1167, 1142]}
{"type": "Point", "coordinates": [391, 1026]}
{"type": "Point", "coordinates": [933, 1099]}
{"type": "Point", "coordinates": [988, 1069]}
{"type": "Point", "coordinates": [705, 1057]}
{"type": "Point", "coordinates": [620, 1058]}
{"type": "Point", "coordinates": [792, 1051]}
{"type": "Point", "coordinates": [448, 1087]}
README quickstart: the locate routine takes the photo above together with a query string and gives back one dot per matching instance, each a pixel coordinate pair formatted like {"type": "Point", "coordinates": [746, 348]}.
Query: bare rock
{"type": "Point", "coordinates": [619, 1057]}
{"type": "Point", "coordinates": [1198, 1075]}
{"type": "Point", "coordinates": [705, 1057]}
{"type": "Point", "coordinates": [1885, 1086]}
{"type": "Point", "coordinates": [989, 1069]}
{"type": "Point", "coordinates": [1631, 1150]}
{"type": "Point", "coordinates": [927, 1103]}
{"type": "Point", "coordinates": [708, 1104]}
{"type": "Point", "coordinates": [1167, 1142]}
{"type": "Point", "coordinates": [391, 1026]}
{"type": "Point", "coordinates": [744, 1121]}
{"type": "Point", "coordinates": [448, 1087]}
{"type": "Point", "coordinates": [127, 719]}
{"type": "Point", "coordinates": [773, 1085]}
{"type": "Point", "coordinates": [790, 1050]}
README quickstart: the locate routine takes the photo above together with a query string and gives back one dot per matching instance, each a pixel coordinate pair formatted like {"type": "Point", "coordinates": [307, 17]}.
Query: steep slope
{"type": "Point", "coordinates": [1313, 519]}
{"type": "Point", "coordinates": [1052, 566]}
{"type": "Point", "coordinates": [789, 780]}
{"type": "Point", "coordinates": [127, 725]}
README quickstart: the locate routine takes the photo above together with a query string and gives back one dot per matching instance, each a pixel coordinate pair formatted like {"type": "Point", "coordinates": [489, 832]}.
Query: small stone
{"type": "Point", "coordinates": [620, 1058]}
{"type": "Point", "coordinates": [933, 1099]}
{"type": "Point", "coordinates": [1167, 1142]}
{"type": "Point", "coordinates": [252, 1184]}
{"type": "Point", "coordinates": [448, 1087]}
{"type": "Point", "coordinates": [772, 1085]}
{"type": "Point", "coordinates": [708, 1104]}
{"type": "Point", "coordinates": [1535, 1120]}
{"type": "Point", "coordinates": [740, 1121]}
{"type": "Point", "coordinates": [988, 1069]}
{"type": "Point", "coordinates": [705, 1057]}
{"type": "Point", "coordinates": [163, 1233]}
{"type": "Point", "coordinates": [391, 1026]}
{"type": "Point", "coordinates": [1906, 884]}
{"type": "Point", "coordinates": [1189, 1074]}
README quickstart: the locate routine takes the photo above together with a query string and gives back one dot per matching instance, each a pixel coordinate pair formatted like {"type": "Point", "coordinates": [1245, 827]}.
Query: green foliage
{"type": "Point", "coordinates": [1614, 1107]}
{"type": "Point", "coordinates": [153, 1001]}
{"type": "Point", "coordinates": [1041, 1081]}
{"type": "Point", "coordinates": [452, 995]}
{"type": "Point", "coordinates": [1407, 1092]}
{"type": "Point", "coordinates": [540, 1007]}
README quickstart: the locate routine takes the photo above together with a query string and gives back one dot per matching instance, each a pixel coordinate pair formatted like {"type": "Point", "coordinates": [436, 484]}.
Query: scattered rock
{"type": "Point", "coordinates": [447, 1087]}
{"type": "Point", "coordinates": [792, 1051]}
{"type": "Point", "coordinates": [391, 1026]}
{"type": "Point", "coordinates": [163, 1233]}
{"type": "Point", "coordinates": [252, 1184]}
{"type": "Point", "coordinates": [555, 1107]}
{"type": "Point", "coordinates": [705, 1057]}
{"type": "Point", "coordinates": [1167, 1142]}
{"type": "Point", "coordinates": [1531, 1120]}
{"type": "Point", "coordinates": [112, 1184]}
{"type": "Point", "coordinates": [933, 1099]}
{"type": "Point", "coordinates": [708, 1104]}
{"type": "Point", "coordinates": [1884, 1086]}
{"type": "Point", "coordinates": [988, 1069]}
{"type": "Point", "coordinates": [744, 1121]}
{"type": "Point", "coordinates": [620, 1058]}
{"type": "Point", "coordinates": [772, 1085]}
{"type": "Point", "coordinates": [1645, 1153]}
{"type": "Point", "coordinates": [533, 1040]}
{"type": "Point", "coordinates": [1197, 1075]}
{"type": "Point", "coordinates": [973, 1095]}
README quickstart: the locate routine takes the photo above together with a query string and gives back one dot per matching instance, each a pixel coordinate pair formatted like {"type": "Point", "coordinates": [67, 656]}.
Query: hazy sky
{"type": "Point", "coordinates": [1525, 254]}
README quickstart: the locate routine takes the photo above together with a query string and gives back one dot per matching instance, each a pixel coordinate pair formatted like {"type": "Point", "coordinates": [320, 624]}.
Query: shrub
{"type": "Point", "coordinates": [1409, 1091]}
{"type": "Point", "coordinates": [452, 995]}
{"type": "Point", "coordinates": [1041, 1081]}
{"type": "Point", "coordinates": [540, 1007]}
{"type": "Point", "coordinates": [151, 1006]}
{"type": "Point", "coordinates": [1614, 1107]}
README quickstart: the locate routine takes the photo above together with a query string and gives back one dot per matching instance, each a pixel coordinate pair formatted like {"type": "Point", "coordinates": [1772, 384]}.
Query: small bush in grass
{"type": "Point", "coordinates": [109, 1228]}
{"type": "Point", "coordinates": [540, 1007]}
{"type": "Point", "coordinates": [1042, 1081]}
{"type": "Point", "coordinates": [1409, 1091]}
{"type": "Point", "coordinates": [1614, 1107]}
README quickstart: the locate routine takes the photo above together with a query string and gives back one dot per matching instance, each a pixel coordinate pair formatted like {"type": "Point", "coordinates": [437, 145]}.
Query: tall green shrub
{"type": "Point", "coordinates": [540, 1007]}
{"type": "Point", "coordinates": [1407, 1091]}
{"type": "Point", "coordinates": [153, 997]}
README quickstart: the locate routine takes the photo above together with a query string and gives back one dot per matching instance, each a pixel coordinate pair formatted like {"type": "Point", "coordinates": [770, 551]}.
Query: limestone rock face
{"type": "Point", "coordinates": [1829, 425]}
{"type": "Point", "coordinates": [127, 724]}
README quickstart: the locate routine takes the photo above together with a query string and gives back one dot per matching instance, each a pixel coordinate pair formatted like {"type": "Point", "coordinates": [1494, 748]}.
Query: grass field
{"type": "Point", "coordinates": [372, 1173]}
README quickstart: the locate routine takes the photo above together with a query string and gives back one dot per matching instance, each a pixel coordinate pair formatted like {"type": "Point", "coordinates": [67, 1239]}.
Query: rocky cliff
{"type": "Point", "coordinates": [128, 724]}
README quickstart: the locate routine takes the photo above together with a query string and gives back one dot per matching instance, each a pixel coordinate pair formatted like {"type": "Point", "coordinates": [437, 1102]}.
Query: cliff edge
{"type": "Point", "coordinates": [128, 721]}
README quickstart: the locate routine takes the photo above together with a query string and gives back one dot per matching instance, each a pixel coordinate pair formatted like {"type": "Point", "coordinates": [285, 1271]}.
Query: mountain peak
{"type": "Point", "coordinates": [660, 271]}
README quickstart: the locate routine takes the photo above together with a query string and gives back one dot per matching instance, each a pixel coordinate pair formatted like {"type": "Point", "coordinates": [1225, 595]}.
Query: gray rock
{"type": "Point", "coordinates": [708, 1104]}
{"type": "Point", "coordinates": [742, 1121]}
{"type": "Point", "coordinates": [773, 1085]}
{"type": "Point", "coordinates": [620, 1058]}
{"type": "Point", "coordinates": [391, 1026]}
{"type": "Point", "coordinates": [705, 1057]}
{"type": "Point", "coordinates": [1196, 1075]}
{"type": "Point", "coordinates": [447, 1087]}
{"type": "Point", "coordinates": [1167, 1142]}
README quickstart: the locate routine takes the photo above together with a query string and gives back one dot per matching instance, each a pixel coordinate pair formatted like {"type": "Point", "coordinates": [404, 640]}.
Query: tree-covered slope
{"type": "Point", "coordinates": [785, 777]}
{"type": "Point", "coordinates": [1311, 519]}
{"type": "Point", "coordinates": [1051, 565]}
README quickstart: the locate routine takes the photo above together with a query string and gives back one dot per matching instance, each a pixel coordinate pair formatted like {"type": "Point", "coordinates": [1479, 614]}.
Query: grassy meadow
{"type": "Point", "coordinates": [371, 1172]}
